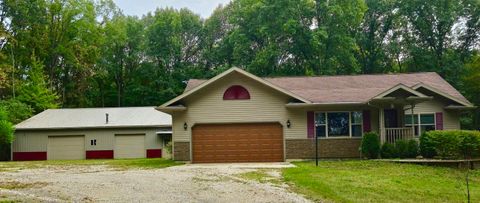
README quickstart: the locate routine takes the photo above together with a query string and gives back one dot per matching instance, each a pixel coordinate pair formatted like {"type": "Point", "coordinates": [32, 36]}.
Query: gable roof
{"type": "Point", "coordinates": [354, 88]}
{"type": "Point", "coordinates": [122, 117]}
{"type": "Point", "coordinates": [230, 71]}
{"type": "Point", "coordinates": [397, 88]}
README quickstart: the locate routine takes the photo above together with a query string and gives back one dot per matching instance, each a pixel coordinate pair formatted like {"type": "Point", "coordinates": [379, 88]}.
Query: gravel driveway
{"type": "Point", "coordinates": [186, 183]}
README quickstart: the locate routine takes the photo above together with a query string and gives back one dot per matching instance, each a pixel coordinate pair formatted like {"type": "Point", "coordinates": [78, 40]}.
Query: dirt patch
{"type": "Point", "coordinates": [187, 183]}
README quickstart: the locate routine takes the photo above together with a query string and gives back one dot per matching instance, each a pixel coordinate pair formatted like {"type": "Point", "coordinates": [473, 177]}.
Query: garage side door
{"type": "Point", "coordinates": [66, 148]}
{"type": "Point", "coordinates": [256, 142]}
{"type": "Point", "coordinates": [129, 146]}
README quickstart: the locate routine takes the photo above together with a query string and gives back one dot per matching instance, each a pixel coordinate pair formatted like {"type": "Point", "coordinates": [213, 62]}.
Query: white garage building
{"type": "Point", "coordinates": [92, 133]}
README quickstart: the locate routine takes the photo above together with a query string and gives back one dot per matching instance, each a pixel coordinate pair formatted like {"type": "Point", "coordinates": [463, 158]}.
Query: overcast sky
{"type": "Point", "coordinates": [141, 7]}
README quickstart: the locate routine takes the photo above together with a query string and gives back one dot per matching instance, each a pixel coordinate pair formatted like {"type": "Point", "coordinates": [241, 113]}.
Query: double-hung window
{"type": "Point", "coordinates": [423, 122]}
{"type": "Point", "coordinates": [338, 124]}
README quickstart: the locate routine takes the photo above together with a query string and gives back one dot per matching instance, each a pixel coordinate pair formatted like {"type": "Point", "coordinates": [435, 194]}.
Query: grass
{"type": "Point", "coordinates": [12, 185]}
{"type": "Point", "coordinates": [115, 163]}
{"type": "Point", "coordinates": [372, 181]}
{"type": "Point", "coordinates": [261, 176]}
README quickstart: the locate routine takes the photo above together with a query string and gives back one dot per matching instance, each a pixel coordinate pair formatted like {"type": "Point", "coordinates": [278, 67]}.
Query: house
{"type": "Point", "coordinates": [92, 133]}
{"type": "Point", "coordinates": [239, 117]}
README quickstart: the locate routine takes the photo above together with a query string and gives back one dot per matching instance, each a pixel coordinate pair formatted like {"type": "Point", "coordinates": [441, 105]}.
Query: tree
{"type": "Point", "coordinates": [6, 135]}
{"type": "Point", "coordinates": [34, 90]}
{"type": "Point", "coordinates": [472, 87]}
{"type": "Point", "coordinates": [121, 54]}
{"type": "Point", "coordinates": [428, 35]}
{"type": "Point", "coordinates": [16, 111]}
{"type": "Point", "coordinates": [377, 26]}
{"type": "Point", "coordinates": [337, 23]}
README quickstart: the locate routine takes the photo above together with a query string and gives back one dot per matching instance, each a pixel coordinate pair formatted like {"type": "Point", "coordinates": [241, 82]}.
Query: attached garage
{"type": "Point", "coordinates": [66, 147]}
{"type": "Point", "coordinates": [249, 142]}
{"type": "Point", "coordinates": [129, 146]}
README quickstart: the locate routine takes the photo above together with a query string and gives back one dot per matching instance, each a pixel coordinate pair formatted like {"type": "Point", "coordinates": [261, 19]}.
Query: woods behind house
{"type": "Point", "coordinates": [86, 53]}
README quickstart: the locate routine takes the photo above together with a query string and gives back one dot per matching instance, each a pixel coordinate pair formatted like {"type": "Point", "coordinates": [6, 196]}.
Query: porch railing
{"type": "Point", "coordinates": [394, 134]}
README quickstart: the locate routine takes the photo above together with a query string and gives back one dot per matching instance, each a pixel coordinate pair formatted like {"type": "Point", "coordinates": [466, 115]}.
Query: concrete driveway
{"type": "Point", "coordinates": [185, 183]}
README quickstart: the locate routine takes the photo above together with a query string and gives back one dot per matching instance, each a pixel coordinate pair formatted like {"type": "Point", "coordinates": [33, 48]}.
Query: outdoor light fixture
{"type": "Point", "coordinates": [288, 124]}
{"type": "Point", "coordinates": [185, 126]}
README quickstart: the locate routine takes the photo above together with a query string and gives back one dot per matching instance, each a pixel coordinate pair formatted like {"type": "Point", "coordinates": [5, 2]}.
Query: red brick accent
{"type": "Point", "coordinates": [154, 153]}
{"type": "Point", "coordinates": [99, 154]}
{"type": "Point", "coordinates": [327, 148]}
{"type": "Point", "coordinates": [29, 156]}
{"type": "Point", "coordinates": [181, 151]}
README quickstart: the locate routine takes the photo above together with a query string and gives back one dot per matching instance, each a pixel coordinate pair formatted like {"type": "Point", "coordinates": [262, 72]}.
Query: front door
{"type": "Point", "coordinates": [391, 118]}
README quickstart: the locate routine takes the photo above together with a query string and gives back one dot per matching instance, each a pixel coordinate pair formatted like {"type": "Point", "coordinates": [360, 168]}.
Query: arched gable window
{"type": "Point", "coordinates": [236, 92]}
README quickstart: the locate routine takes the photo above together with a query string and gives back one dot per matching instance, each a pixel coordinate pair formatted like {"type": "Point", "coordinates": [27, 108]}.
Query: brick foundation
{"type": "Point", "coordinates": [181, 151]}
{"type": "Point", "coordinates": [327, 148]}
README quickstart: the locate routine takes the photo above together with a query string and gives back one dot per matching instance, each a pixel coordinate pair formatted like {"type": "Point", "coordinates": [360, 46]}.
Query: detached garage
{"type": "Point", "coordinates": [92, 133]}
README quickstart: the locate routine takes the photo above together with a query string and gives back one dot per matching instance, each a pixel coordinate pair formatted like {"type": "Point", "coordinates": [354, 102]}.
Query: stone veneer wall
{"type": "Point", "coordinates": [181, 151]}
{"type": "Point", "coordinates": [327, 148]}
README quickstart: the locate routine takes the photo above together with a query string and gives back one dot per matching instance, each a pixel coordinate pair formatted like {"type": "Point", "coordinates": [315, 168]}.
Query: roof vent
{"type": "Point", "coordinates": [106, 118]}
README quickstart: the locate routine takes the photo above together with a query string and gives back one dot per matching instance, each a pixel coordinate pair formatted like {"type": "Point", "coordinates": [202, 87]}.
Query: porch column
{"type": "Point", "coordinates": [412, 117]}
{"type": "Point", "coordinates": [381, 124]}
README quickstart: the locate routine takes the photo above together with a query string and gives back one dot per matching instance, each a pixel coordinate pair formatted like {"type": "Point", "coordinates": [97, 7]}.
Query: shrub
{"type": "Point", "coordinates": [412, 149]}
{"type": "Point", "coordinates": [427, 145]}
{"type": "Point", "coordinates": [370, 146]}
{"type": "Point", "coordinates": [450, 144]}
{"type": "Point", "coordinates": [469, 145]}
{"type": "Point", "coordinates": [402, 148]}
{"type": "Point", "coordinates": [169, 147]}
{"type": "Point", "coordinates": [388, 151]}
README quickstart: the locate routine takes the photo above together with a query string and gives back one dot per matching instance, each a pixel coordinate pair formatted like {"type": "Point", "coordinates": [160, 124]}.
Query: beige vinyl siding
{"type": "Point", "coordinates": [266, 105]}
{"type": "Point", "coordinates": [207, 106]}
{"type": "Point", "coordinates": [37, 141]}
{"type": "Point", "coordinates": [451, 118]}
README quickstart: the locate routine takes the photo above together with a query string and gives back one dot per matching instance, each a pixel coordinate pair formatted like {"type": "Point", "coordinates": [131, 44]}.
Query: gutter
{"type": "Point", "coordinates": [94, 127]}
{"type": "Point", "coordinates": [302, 105]}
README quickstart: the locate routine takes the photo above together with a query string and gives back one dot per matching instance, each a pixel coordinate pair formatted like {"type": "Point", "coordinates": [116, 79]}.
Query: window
{"type": "Point", "coordinates": [320, 124]}
{"type": "Point", "coordinates": [357, 124]}
{"type": "Point", "coordinates": [236, 92]}
{"type": "Point", "coordinates": [422, 122]}
{"type": "Point", "coordinates": [338, 124]}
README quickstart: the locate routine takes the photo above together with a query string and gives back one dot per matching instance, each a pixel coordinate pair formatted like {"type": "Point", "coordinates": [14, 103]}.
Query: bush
{"type": "Point", "coordinates": [450, 144]}
{"type": "Point", "coordinates": [388, 151]}
{"type": "Point", "coordinates": [412, 149]}
{"type": "Point", "coordinates": [370, 146]}
{"type": "Point", "coordinates": [427, 146]}
{"type": "Point", "coordinates": [6, 132]}
{"type": "Point", "coordinates": [402, 148]}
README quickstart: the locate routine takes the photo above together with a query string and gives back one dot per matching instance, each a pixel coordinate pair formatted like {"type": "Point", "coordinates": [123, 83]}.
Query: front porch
{"type": "Point", "coordinates": [397, 120]}
{"type": "Point", "coordinates": [391, 135]}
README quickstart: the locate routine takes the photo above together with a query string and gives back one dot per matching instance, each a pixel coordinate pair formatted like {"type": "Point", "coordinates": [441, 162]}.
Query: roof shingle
{"type": "Point", "coordinates": [352, 88]}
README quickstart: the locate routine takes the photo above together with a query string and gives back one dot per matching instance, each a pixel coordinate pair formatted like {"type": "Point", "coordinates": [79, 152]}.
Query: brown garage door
{"type": "Point", "coordinates": [253, 142]}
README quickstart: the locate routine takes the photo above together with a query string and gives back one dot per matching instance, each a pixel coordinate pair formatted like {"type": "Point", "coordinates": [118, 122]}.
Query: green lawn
{"type": "Point", "coordinates": [372, 181]}
{"type": "Point", "coordinates": [116, 163]}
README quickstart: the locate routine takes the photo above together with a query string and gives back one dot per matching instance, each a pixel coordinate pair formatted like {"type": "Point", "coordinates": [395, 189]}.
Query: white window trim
{"type": "Point", "coordinates": [420, 122]}
{"type": "Point", "coordinates": [326, 124]}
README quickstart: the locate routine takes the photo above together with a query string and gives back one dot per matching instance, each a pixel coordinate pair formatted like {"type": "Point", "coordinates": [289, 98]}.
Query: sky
{"type": "Point", "coordinates": [140, 7]}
